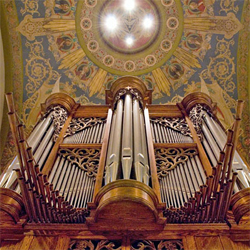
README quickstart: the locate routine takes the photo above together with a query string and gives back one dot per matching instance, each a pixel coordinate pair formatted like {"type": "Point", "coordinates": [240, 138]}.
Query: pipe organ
{"type": "Point", "coordinates": [127, 155]}
{"type": "Point", "coordinates": [128, 167]}
{"type": "Point", "coordinates": [214, 139]}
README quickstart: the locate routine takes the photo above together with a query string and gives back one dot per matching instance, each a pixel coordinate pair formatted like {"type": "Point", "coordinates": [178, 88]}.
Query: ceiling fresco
{"type": "Point", "coordinates": [193, 45]}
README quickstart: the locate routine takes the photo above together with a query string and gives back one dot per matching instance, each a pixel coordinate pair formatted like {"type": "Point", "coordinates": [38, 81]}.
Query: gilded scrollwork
{"type": "Point", "coordinates": [38, 69]}
{"type": "Point", "coordinates": [157, 245]}
{"type": "Point", "coordinates": [228, 5]}
{"type": "Point", "coordinates": [85, 158]}
{"type": "Point", "coordinates": [168, 158]}
{"type": "Point", "coordinates": [30, 6]}
{"type": "Point", "coordinates": [222, 67]}
{"type": "Point", "coordinates": [95, 245]}
{"type": "Point", "coordinates": [177, 124]}
{"type": "Point", "coordinates": [79, 124]}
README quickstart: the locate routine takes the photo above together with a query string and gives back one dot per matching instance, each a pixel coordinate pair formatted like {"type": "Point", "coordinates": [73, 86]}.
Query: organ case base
{"type": "Point", "coordinates": [126, 205]}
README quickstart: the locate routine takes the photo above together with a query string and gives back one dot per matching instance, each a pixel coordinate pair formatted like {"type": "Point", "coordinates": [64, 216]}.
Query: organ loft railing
{"type": "Point", "coordinates": [127, 163]}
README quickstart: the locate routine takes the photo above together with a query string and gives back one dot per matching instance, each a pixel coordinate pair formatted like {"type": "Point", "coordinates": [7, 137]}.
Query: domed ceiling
{"type": "Point", "coordinates": [80, 47]}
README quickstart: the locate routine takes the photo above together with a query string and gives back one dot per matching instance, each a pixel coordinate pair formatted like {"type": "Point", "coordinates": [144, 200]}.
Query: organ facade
{"type": "Point", "coordinates": [126, 175]}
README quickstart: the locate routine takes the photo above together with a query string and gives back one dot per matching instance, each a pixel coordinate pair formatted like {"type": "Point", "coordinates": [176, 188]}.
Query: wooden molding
{"type": "Point", "coordinates": [59, 99]}
{"type": "Point", "coordinates": [240, 203]}
{"type": "Point", "coordinates": [126, 205]}
{"type": "Point", "coordinates": [128, 82]}
{"type": "Point", "coordinates": [12, 204]}
{"type": "Point", "coordinates": [192, 99]}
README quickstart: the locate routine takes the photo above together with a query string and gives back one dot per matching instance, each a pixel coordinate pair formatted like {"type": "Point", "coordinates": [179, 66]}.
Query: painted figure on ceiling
{"type": "Point", "coordinates": [196, 6]}
{"type": "Point", "coordinates": [84, 71]}
{"type": "Point", "coordinates": [175, 71]}
{"type": "Point", "coordinates": [194, 41]}
{"type": "Point", "coordinates": [62, 7]}
{"type": "Point", "coordinates": [65, 43]}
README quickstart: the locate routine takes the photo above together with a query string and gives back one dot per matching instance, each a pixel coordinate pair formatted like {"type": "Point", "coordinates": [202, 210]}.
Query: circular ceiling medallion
{"type": "Point", "coordinates": [129, 37]}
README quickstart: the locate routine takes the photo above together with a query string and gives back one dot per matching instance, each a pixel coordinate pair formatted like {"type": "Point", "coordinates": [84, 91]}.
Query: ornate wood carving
{"type": "Point", "coordinates": [132, 83]}
{"type": "Point", "coordinates": [178, 124]}
{"type": "Point", "coordinates": [168, 158]}
{"type": "Point", "coordinates": [95, 245]}
{"type": "Point", "coordinates": [59, 116]}
{"type": "Point", "coordinates": [195, 116]}
{"type": "Point", "coordinates": [157, 245]}
{"type": "Point", "coordinates": [85, 158]}
{"type": "Point", "coordinates": [79, 124]}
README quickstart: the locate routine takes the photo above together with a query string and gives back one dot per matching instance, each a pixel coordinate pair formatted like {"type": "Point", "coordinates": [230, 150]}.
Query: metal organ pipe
{"type": "Point", "coordinates": [127, 138]}
{"type": "Point", "coordinates": [111, 139]}
{"type": "Point", "coordinates": [33, 141]}
{"type": "Point", "coordinates": [214, 141]}
{"type": "Point", "coordinates": [139, 161]}
{"type": "Point", "coordinates": [144, 149]}
{"type": "Point", "coordinates": [113, 157]}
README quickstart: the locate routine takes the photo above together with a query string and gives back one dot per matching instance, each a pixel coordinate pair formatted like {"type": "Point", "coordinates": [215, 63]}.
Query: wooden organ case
{"type": "Point", "coordinates": [125, 175]}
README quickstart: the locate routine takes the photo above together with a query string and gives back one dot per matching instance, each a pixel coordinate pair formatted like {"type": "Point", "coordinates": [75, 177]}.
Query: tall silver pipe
{"type": "Point", "coordinates": [197, 172]}
{"type": "Point", "coordinates": [62, 175]}
{"type": "Point", "coordinates": [144, 149]}
{"type": "Point", "coordinates": [72, 186]}
{"type": "Point", "coordinates": [159, 132]}
{"type": "Point", "coordinates": [35, 140]}
{"type": "Point", "coordinates": [70, 180]}
{"type": "Point", "coordinates": [76, 186]}
{"type": "Point", "coordinates": [189, 180]}
{"type": "Point", "coordinates": [167, 191]}
{"type": "Point", "coordinates": [173, 189]}
{"type": "Point", "coordinates": [54, 169]}
{"type": "Point", "coordinates": [211, 140]}
{"type": "Point", "coordinates": [65, 178]}
{"type": "Point", "coordinates": [110, 146]}
{"type": "Point", "coordinates": [157, 140]}
{"type": "Point", "coordinates": [139, 160]}
{"type": "Point", "coordinates": [43, 143]}
{"type": "Point", "coordinates": [170, 189]}
{"type": "Point", "coordinates": [58, 171]}
{"type": "Point", "coordinates": [81, 194]}
{"type": "Point", "coordinates": [79, 187]}
{"type": "Point", "coordinates": [184, 193]}
{"type": "Point", "coordinates": [193, 175]}
{"type": "Point", "coordinates": [116, 143]}
{"type": "Point", "coordinates": [209, 152]}
{"type": "Point", "coordinates": [176, 177]}
{"type": "Point", "coordinates": [127, 138]}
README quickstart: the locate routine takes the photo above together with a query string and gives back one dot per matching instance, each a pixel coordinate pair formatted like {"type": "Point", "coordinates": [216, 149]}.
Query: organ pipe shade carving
{"type": "Point", "coordinates": [59, 116]}
{"type": "Point", "coordinates": [159, 245]}
{"type": "Point", "coordinates": [178, 124]}
{"type": "Point", "coordinates": [95, 244]}
{"type": "Point", "coordinates": [91, 129]}
{"type": "Point", "coordinates": [85, 158]}
{"type": "Point", "coordinates": [168, 158]}
{"type": "Point", "coordinates": [127, 155]}
{"type": "Point", "coordinates": [180, 174]}
{"type": "Point", "coordinates": [74, 173]}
